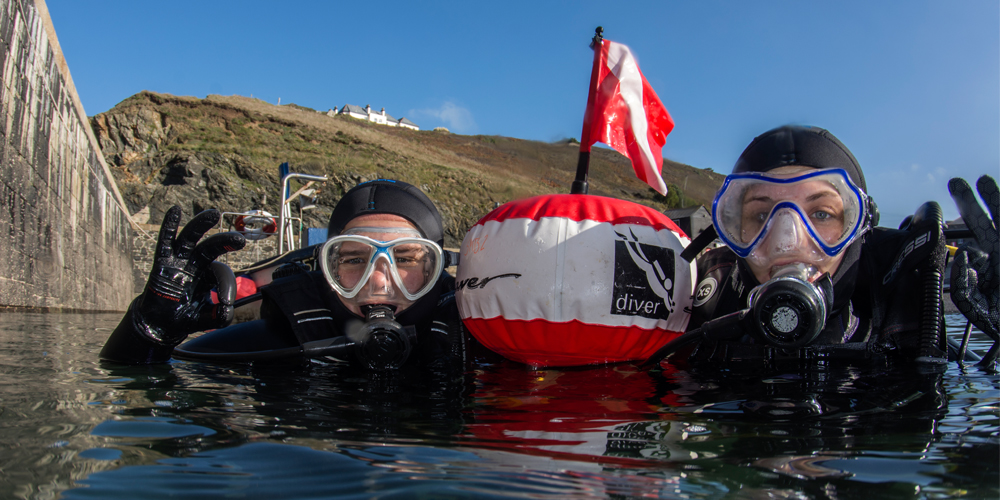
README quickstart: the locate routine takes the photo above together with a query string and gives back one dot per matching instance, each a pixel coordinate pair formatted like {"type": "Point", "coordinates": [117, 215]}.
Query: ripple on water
{"type": "Point", "coordinates": [87, 429]}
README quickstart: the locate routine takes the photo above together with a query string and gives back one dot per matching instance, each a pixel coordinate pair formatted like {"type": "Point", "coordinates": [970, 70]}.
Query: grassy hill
{"type": "Point", "coordinates": [224, 152]}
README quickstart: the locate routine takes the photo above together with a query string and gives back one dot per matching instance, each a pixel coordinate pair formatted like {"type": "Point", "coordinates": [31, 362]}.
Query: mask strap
{"type": "Point", "coordinates": [700, 242]}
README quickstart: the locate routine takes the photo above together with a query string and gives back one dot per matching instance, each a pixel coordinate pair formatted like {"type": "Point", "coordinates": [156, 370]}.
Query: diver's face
{"type": "Point", "coordinates": [787, 241]}
{"type": "Point", "coordinates": [411, 265]}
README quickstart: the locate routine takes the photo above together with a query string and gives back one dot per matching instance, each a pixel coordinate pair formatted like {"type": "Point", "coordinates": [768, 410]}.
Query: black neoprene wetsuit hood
{"type": "Point", "coordinates": [385, 196]}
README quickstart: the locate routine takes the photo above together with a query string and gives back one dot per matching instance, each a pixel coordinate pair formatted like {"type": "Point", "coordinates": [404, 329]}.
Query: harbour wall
{"type": "Point", "coordinates": [65, 236]}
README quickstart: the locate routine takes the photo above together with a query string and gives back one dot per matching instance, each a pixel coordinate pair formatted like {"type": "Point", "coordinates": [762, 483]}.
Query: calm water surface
{"type": "Point", "coordinates": [73, 427]}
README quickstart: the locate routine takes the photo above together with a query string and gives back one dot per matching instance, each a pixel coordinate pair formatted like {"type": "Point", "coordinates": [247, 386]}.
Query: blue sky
{"type": "Point", "coordinates": [911, 87]}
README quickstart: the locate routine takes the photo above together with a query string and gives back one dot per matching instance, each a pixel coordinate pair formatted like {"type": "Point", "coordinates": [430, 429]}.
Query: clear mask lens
{"type": "Point", "coordinates": [821, 211]}
{"type": "Point", "coordinates": [374, 271]}
{"type": "Point", "coordinates": [787, 239]}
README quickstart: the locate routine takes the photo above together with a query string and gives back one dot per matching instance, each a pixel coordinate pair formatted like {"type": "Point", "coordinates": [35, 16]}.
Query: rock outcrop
{"type": "Point", "coordinates": [224, 152]}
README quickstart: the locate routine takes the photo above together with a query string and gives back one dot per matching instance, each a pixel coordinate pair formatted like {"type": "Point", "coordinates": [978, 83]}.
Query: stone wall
{"type": "Point", "coordinates": [144, 243]}
{"type": "Point", "coordinates": [65, 237]}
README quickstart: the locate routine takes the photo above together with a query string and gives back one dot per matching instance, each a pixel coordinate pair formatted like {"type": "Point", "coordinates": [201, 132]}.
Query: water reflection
{"type": "Point", "coordinates": [46, 408]}
{"type": "Point", "coordinates": [498, 431]}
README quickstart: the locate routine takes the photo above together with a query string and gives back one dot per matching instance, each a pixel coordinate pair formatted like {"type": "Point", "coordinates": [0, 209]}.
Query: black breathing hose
{"type": "Point", "coordinates": [338, 347]}
{"type": "Point", "coordinates": [932, 339]}
{"type": "Point", "coordinates": [719, 328]}
{"type": "Point", "coordinates": [930, 324]}
{"type": "Point", "coordinates": [687, 338]}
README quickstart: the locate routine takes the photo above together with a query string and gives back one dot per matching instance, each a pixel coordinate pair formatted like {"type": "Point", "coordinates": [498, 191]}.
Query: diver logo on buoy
{"type": "Point", "coordinates": [644, 279]}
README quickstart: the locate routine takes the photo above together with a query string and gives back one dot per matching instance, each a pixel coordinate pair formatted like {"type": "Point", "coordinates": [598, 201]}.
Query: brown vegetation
{"type": "Point", "coordinates": [224, 152]}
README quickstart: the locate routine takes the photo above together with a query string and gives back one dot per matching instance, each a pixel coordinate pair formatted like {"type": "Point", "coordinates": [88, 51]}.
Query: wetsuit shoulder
{"type": "Point", "coordinates": [252, 336]}
{"type": "Point", "coordinates": [712, 296]}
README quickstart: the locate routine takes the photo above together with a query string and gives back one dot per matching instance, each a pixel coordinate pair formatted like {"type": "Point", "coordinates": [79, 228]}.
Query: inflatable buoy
{"type": "Point", "coordinates": [566, 280]}
{"type": "Point", "coordinates": [256, 225]}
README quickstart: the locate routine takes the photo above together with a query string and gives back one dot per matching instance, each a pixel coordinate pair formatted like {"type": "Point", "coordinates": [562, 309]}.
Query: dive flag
{"type": "Point", "coordinates": [625, 113]}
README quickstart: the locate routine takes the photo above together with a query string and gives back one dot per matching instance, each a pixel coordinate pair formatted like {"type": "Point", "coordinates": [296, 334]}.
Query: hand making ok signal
{"type": "Point", "coordinates": [176, 300]}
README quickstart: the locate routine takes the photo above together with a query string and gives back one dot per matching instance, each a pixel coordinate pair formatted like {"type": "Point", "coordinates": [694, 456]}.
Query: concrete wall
{"type": "Point", "coordinates": [65, 236]}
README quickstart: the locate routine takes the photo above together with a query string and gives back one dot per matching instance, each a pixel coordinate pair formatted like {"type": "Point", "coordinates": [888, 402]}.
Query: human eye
{"type": "Point", "coordinates": [351, 264]}
{"type": "Point", "coordinates": [352, 259]}
{"type": "Point", "coordinates": [754, 219]}
{"type": "Point", "coordinates": [826, 216]}
{"type": "Point", "coordinates": [828, 222]}
{"type": "Point", "coordinates": [407, 259]}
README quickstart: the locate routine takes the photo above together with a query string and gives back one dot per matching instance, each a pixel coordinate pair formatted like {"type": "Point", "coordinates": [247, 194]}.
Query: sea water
{"type": "Point", "coordinates": [74, 427]}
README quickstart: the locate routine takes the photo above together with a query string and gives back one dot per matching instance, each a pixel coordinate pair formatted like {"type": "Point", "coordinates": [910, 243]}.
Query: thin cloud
{"type": "Point", "coordinates": [454, 117]}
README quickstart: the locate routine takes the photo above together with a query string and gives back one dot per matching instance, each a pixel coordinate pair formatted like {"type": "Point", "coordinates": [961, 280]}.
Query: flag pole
{"type": "Point", "coordinates": [580, 184]}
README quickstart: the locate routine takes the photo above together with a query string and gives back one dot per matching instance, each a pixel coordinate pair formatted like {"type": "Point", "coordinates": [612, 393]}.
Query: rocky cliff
{"type": "Point", "coordinates": [224, 152]}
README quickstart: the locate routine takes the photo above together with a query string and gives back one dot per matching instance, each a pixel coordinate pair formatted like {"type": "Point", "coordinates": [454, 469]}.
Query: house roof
{"type": "Point", "coordinates": [350, 108]}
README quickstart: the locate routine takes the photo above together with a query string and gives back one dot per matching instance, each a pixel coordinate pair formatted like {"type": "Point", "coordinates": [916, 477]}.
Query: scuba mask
{"type": "Point", "coordinates": [396, 269]}
{"type": "Point", "coordinates": [772, 220]}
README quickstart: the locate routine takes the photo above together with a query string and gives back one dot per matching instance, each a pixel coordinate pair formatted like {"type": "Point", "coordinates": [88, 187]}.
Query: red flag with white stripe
{"type": "Point", "coordinates": [625, 113]}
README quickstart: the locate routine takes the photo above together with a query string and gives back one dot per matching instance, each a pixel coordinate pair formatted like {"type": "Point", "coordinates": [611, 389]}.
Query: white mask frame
{"type": "Point", "coordinates": [382, 252]}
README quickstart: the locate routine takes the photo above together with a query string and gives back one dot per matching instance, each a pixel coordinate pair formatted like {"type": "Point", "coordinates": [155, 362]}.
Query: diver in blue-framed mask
{"type": "Point", "coordinates": [805, 273]}
{"type": "Point", "coordinates": [790, 225]}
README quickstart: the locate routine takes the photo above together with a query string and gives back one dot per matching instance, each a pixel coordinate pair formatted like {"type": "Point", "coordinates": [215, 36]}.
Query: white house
{"type": "Point", "coordinates": [403, 122]}
{"type": "Point", "coordinates": [366, 113]}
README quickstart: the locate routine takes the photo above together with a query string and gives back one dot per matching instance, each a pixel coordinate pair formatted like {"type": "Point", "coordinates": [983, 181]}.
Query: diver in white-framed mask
{"type": "Point", "coordinates": [805, 273]}
{"type": "Point", "coordinates": [375, 293]}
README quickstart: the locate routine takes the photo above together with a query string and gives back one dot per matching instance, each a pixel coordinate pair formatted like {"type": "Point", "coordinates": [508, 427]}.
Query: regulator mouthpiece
{"type": "Point", "coordinates": [789, 311]}
{"type": "Point", "coordinates": [384, 344]}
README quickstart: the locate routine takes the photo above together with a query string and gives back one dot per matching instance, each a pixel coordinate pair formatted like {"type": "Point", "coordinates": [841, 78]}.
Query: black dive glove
{"type": "Point", "coordinates": [176, 301]}
{"type": "Point", "coordinates": [975, 277]}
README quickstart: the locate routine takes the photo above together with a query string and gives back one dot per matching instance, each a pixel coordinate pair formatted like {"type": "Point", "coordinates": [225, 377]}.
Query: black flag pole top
{"type": "Point", "coordinates": [598, 37]}
{"type": "Point", "coordinates": [580, 184]}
